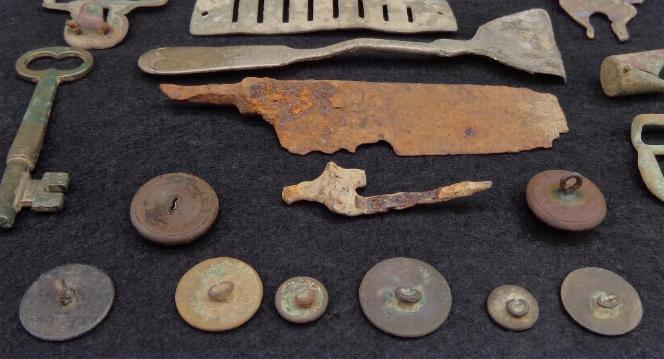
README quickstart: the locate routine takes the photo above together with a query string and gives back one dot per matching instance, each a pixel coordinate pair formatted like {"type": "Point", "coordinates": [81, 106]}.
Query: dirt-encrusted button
{"type": "Point", "coordinates": [405, 297]}
{"type": "Point", "coordinates": [513, 307]}
{"type": "Point", "coordinates": [566, 200]}
{"type": "Point", "coordinates": [174, 208]}
{"type": "Point", "coordinates": [219, 294]}
{"type": "Point", "coordinates": [66, 302]}
{"type": "Point", "coordinates": [601, 301]}
{"type": "Point", "coordinates": [301, 299]}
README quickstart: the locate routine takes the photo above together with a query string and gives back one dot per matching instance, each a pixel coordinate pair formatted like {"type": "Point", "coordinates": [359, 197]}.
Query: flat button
{"type": "Point", "coordinates": [301, 299]}
{"type": "Point", "coordinates": [601, 301]}
{"type": "Point", "coordinates": [513, 307]}
{"type": "Point", "coordinates": [405, 297]}
{"type": "Point", "coordinates": [219, 294]}
{"type": "Point", "coordinates": [174, 208]}
{"type": "Point", "coordinates": [66, 302]}
{"type": "Point", "coordinates": [566, 200]}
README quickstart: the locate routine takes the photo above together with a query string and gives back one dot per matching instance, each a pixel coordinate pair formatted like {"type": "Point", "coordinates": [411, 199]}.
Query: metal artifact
{"type": "Point", "coordinates": [633, 74]}
{"type": "Point", "coordinates": [301, 299]}
{"type": "Point", "coordinates": [566, 200]}
{"type": "Point", "coordinates": [416, 119]}
{"type": "Point", "coordinates": [601, 301]}
{"type": "Point", "coordinates": [513, 307]}
{"type": "Point", "coordinates": [174, 208]}
{"type": "Point", "coordinates": [18, 189]}
{"type": "Point", "coordinates": [524, 41]}
{"type": "Point", "coordinates": [648, 164]}
{"type": "Point", "coordinates": [98, 24]}
{"type": "Point", "coordinates": [66, 302]}
{"type": "Point", "coordinates": [337, 187]}
{"type": "Point", "coordinates": [405, 297]}
{"type": "Point", "coordinates": [219, 294]}
{"type": "Point", "coordinates": [222, 17]}
{"type": "Point", "coordinates": [620, 12]}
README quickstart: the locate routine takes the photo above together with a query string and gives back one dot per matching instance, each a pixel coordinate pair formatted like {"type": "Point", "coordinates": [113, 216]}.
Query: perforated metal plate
{"type": "Point", "coordinates": [221, 17]}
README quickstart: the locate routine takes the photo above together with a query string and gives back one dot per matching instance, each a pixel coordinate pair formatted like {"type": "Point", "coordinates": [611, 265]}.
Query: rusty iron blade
{"type": "Point", "coordinates": [416, 119]}
{"type": "Point", "coordinates": [633, 74]}
{"type": "Point", "coordinates": [620, 12]}
{"type": "Point", "coordinates": [523, 40]}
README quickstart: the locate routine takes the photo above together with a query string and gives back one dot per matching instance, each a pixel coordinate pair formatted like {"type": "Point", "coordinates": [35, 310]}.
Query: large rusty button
{"type": "Point", "coordinates": [66, 302]}
{"type": "Point", "coordinates": [219, 294]}
{"type": "Point", "coordinates": [301, 299]}
{"type": "Point", "coordinates": [405, 297]}
{"type": "Point", "coordinates": [174, 208]}
{"type": "Point", "coordinates": [601, 301]}
{"type": "Point", "coordinates": [513, 307]}
{"type": "Point", "coordinates": [566, 200]}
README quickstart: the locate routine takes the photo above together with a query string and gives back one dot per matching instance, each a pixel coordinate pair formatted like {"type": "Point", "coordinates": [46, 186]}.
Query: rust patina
{"type": "Point", "coordinates": [416, 119]}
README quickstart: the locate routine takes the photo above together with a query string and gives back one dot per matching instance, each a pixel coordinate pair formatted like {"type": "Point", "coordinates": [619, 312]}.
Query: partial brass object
{"type": "Point", "coordinates": [650, 170]}
{"type": "Point", "coordinates": [416, 119]}
{"type": "Point", "coordinates": [337, 187]}
{"type": "Point", "coordinates": [523, 40]}
{"type": "Point", "coordinates": [301, 299]}
{"type": "Point", "coordinates": [18, 189]}
{"type": "Point", "coordinates": [513, 307]}
{"type": "Point", "coordinates": [633, 74]}
{"type": "Point", "coordinates": [66, 302]}
{"type": "Point", "coordinates": [620, 12]}
{"type": "Point", "coordinates": [90, 29]}
{"type": "Point", "coordinates": [219, 294]}
{"type": "Point", "coordinates": [566, 200]}
{"type": "Point", "coordinates": [217, 17]}
{"type": "Point", "coordinates": [601, 301]}
{"type": "Point", "coordinates": [405, 297]}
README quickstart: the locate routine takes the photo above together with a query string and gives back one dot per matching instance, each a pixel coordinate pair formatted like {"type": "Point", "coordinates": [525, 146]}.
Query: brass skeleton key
{"type": "Point", "coordinates": [18, 189]}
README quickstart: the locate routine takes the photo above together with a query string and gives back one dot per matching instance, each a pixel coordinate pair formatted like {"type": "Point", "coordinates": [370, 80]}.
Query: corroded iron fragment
{"type": "Point", "coordinates": [66, 302]}
{"type": "Point", "coordinates": [98, 24]}
{"type": "Point", "coordinates": [416, 119]}
{"type": "Point", "coordinates": [523, 40]}
{"type": "Point", "coordinates": [649, 167]}
{"type": "Point", "coordinates": [337, 187]}
{"type": "Point", "coordinates": [633, 74]}
{"type": "Point", "coordinates": [620, 12]}
{"type": "Point", "coordinates": [217, 17]}
{"type": "Point", "coordinates": [513, 307]}
{"type": "Point", "coordinates": [601, 301]}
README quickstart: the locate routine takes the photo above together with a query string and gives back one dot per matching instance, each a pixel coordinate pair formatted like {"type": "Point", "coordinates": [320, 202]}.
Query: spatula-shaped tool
{"type": "Point", "coordinates": [524, 40]}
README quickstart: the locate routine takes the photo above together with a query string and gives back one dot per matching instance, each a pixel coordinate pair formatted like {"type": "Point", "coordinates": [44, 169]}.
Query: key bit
{"type": "Point", "coordinates": [18, 189]}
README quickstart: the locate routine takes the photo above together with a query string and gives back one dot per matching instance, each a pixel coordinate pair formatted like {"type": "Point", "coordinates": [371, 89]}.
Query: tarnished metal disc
{"type": "Point", "coordinates": [405, 297]}
{"type": "Point", "coordinates": [301, 299]}
{"type": "Point", "coordinates": [601, 301]}
{"type": "Point", "coordinates": [66, 302]}
{"type": "Point", "coordinates": [566, 200]}
{"type": "Point", "coordinates": [513, 307]}
{"type": "Point", "coordinates": [219, 294]}
{"type": "Point", "coordinates": [174, 208]}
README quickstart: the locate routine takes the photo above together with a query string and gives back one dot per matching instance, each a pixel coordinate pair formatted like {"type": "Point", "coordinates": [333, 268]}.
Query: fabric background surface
{"type": "Point", "coordinates": [114, 130]}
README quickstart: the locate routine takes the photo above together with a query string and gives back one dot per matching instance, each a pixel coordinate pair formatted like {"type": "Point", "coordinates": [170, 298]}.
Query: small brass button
{"type": "Point", "coordinates": [301, 299]}
{"type": "Point", "coordinates": [174, 208]}
{"type": "Point", "coordinates": [513, 307]}
{"type": "Point", "coordinates": [566, 200]}
{"type": "Point", "coordinates": [219, 294]}
{"type": "Point", "coordinates": [601, 301]}
{"type": "Point", "coordinates": [405, 297]}
{"type": "Point", "coordinates": [66, 302]}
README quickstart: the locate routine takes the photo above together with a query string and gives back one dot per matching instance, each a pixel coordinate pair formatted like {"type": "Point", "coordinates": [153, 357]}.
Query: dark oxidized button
{"type": "Point", "coordinates": [219, 294]}
{"type": "Point", "coordinates": [405, 297]}
{"type": "Point", "coordinates": [174, 208]}
{"type": "Point", "coordinates": [301, 299]}
{"type": "Point", "coordinates": [566, 200]}
{"type": "Point", "coordinates": [601, 301]}
{"type": "Point", "coordinates": [66, 302]}
{"type": "Point", "coordinates": [513, 307]}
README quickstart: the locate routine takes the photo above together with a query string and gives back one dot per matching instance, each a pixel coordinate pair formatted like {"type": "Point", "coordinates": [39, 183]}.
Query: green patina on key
{"type": "Point", "coordinates": [18, 189]}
